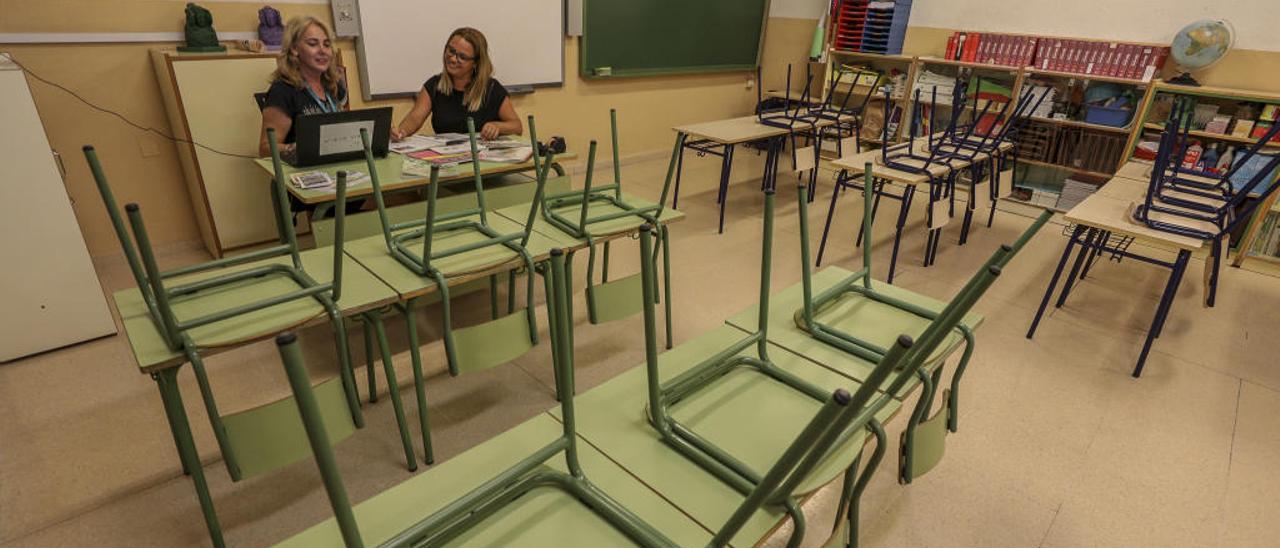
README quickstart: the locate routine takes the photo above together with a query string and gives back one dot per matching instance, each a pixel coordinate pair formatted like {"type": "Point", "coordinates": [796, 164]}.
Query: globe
{"type": "Point", "coordinates": [1199, 45]}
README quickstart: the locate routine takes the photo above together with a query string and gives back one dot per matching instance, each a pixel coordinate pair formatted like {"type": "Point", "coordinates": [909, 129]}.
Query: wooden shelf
{"type": "Point", "coordinates": [1220, 92]}
{"type": "Point", "coordinates": [1267, 258]}
{"type": "Point", "coordinates": [1067, 168]}
{"type": "Point", "coordinates": [1092, 77]}
{"type": "Point", "coordinates": [1075, 123]}
{"type": "Point", "coordinates": [869, 55]}
{"type": "Point", "coordinates": [1216, 136]}
{"type": "Point", "coordinates": [969, 64]}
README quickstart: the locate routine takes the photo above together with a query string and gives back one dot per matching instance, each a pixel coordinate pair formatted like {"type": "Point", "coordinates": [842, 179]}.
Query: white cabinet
{"type": "Point", "coordinates": [50, 293]}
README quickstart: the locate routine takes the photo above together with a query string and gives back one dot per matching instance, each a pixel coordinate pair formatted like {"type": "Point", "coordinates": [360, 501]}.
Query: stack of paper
{"type": "Point", "coordinates": [927, 82]}
{"type": "Point", "coordinates": [1074, 192]}
{"type": "Point", "coordinates": [319, 180]}
{"type": "Point", "coordinates": [1045, 107]}
{"type": "Point", "coordinates": [415, 143]}
{"type": "Point", "coordinates": [512, 155]}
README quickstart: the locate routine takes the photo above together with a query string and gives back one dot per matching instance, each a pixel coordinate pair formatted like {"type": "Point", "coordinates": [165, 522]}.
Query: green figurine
{"type": "Point", "coordinates": [199, 31]}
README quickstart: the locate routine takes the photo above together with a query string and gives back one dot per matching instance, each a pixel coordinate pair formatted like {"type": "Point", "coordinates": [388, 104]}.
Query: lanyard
{"type": "Point", "coordinates": [327, 105]}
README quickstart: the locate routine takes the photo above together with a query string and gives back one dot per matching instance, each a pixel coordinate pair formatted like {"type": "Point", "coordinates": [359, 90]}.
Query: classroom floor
{"type": "Point", "coordinates": [1058, 445]}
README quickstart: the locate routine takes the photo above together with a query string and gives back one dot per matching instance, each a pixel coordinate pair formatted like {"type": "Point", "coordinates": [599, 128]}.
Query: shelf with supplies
{"type": "Point", "coordinates": [1215, 136]}
{"type": "Point", "coordinates": [969, 64]}
{"type": "Point", "coordinates": [1076, 123]}
{"type": "Point", "coordinates": [1065, 167]}
{"type": "Point", "coordinates": [1091, 77]}
{"type": "Point", "coordinates": [1225, 108]}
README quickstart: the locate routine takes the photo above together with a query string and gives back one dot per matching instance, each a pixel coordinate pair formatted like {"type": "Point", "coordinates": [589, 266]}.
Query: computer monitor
{"type": "Point", "coordinates": [329, 137]}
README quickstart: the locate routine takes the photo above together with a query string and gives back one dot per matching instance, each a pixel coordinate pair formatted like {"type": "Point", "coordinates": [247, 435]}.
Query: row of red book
{"type": "Point", "coordinates": [1085, 57]}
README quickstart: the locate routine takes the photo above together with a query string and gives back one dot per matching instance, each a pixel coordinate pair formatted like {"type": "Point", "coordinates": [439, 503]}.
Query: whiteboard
{"type": "Point", "coordinates": [401, 41]}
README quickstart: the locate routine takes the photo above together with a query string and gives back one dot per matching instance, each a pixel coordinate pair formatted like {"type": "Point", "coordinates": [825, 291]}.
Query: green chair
{"type": "Point", "coordinates": [460, 245]}
{"type": "Point", "coordinates": [877, 307]}
{"type": "Point", "coordinates": [487, 503]}
{"type": "Point", "coordinates": [471, 242]}
{"type": "Point", "coordinates": [229, 302]}
{"type": "Point", "coordinates": [598, 211]}
{"type": "Point", "coordinates": [698, 446]}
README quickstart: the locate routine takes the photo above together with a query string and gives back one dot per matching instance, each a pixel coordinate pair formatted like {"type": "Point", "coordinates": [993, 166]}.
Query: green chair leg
{"type": "Point", "coordinates": [419, 383]}
{"type": "Point", "coordinates": [368, 359]}
{"type": "Point", "coordinates": [167, 381]}
{"type": "Point", "coordinates": [393, 388]}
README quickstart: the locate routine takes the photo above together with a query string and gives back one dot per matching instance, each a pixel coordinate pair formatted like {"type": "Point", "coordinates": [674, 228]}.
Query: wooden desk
{"type": "Point", "coordinates": [391, 175]}
{"type": "Point", "coordinates": [721, 137]}
{"type": "Point", "coordinates": [1110, 211]}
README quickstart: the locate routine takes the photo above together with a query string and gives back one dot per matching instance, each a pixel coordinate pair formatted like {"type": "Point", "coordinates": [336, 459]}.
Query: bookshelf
{"type": "Point", "coordinates": [1261, 234]}
{"type": "Point", "coordinates": [1250, 244]}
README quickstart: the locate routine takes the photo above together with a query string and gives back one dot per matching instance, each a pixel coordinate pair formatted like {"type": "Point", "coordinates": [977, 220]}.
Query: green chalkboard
{"type": "Point", "coordinates": [647, 37]}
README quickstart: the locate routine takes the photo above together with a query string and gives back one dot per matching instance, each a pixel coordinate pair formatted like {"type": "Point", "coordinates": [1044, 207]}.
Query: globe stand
{"type": "Point", "coordinates": [1184, 79]}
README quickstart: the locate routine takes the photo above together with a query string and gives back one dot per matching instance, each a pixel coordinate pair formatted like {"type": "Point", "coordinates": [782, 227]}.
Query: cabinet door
{"type": "Point", "coordinates": [216, 96]}
{"type": "Point", "coordinates": [50, 291]}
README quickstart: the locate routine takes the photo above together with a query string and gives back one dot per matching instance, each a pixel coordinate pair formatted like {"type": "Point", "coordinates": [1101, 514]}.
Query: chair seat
{"type": "Point", "coordinates": [555, 237]}
{"type": "Point", "coordinates": [544, 517]}
{"type": "Point", "coordinates": [371, 252]}
{"type": "Point", "coordinates": [728, 413]}
{"type": "Point", "coordinates": [361, 290]}
{"type": "Point", "coordinates": [871, 321]}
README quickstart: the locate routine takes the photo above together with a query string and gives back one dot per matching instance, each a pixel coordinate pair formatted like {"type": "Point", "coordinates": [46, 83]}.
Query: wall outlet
{"type": "Point", "coordinates": [346, 18]}
{"type": "Point", "coordinates": [751, 83]}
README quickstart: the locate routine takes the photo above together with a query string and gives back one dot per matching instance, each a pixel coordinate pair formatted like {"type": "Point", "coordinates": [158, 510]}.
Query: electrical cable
{"type": "Point", "coordinates": [146, 129]}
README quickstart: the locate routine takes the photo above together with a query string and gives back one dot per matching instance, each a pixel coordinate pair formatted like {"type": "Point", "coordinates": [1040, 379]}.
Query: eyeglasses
{"type": "Point", "coordinates": [448, 50]}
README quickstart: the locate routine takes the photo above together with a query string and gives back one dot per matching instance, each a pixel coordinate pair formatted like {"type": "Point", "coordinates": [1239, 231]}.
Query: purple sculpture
{"type": "Point", "coordinates": [270, 29]}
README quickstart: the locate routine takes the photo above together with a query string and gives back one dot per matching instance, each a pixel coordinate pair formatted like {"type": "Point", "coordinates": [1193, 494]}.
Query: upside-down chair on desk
{"type": "Point", "coordinates": [598, 213]}
{"type": "Point", "coordinates": [1202, 205]}
{"type": "Point", "coordinates": [478, 503]}
{"type": "Point", "coordinates": [233, 301]}
{"type": "Point", "coordinates": [879, 312]}
{"type": "Point", "coordinates": [440, 248]}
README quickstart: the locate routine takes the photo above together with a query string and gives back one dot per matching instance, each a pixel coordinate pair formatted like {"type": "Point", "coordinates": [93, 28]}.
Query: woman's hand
{"type": "Point", "coordinates": [397, 135]}
{"type": "Point", "coordinates": [490, 131]}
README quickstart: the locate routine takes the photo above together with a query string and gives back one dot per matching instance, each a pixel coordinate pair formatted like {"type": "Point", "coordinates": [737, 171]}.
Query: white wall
{"type": "Point", "coordinates": [1136, 20]}
{"type": "Point", "coordinates": [799, 9]}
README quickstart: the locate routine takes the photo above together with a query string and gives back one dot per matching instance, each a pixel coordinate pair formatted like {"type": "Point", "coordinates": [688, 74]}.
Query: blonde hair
{"type": "Point", "coordinates": [287, 68]}
{"type": "Point", "coordinates": [481, 72]}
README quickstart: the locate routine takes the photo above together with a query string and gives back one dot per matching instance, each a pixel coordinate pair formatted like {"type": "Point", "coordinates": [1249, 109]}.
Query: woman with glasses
{"type": "Point", "coordinates": [466, 88]}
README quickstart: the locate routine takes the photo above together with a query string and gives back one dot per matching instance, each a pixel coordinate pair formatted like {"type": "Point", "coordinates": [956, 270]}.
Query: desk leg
{"type": "Point", "coordinates": [1053, 282]}
{"type": "Point", "coordinates": [1103, 237]}
{"type": "Point", "coordinates": [875, 208]}
{"type": "Point", "coordinates": [831, 212]}
{"type": "Point", "coordinates": [907, 196]}
{"type": "Point", "coordinates": [1162, 311]}
{"type": "Point", "coordinates": [675, 199]}
{"type": "Point", "coordinates": [726, 168]}
{"type": "Point", "coordinates": [167, 381]}
{"type": "Point", "coordinates": [1085, 247]}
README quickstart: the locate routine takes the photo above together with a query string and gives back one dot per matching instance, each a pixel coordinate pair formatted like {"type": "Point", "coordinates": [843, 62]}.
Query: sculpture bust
{"type": "Point", "coordinates": [270, 28]}
{"type": "Point", "coordinates": [199, 31]}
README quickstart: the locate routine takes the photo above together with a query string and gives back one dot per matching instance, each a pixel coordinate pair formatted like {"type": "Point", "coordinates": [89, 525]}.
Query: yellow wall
{"type": "Point", "coordinates": [1241, 68]}
{"type": "Point", "coordinates": [143, 167]}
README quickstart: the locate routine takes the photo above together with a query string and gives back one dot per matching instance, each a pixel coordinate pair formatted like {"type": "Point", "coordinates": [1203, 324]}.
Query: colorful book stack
{"type": "Point", "coordinates": [877, 26]}
{"type": "Point", "coordinates": [991, 48]}
{"type": "Point", "coordinates": [1113, 59]}
{"type": "Point", "coordinates": [1084, 57]}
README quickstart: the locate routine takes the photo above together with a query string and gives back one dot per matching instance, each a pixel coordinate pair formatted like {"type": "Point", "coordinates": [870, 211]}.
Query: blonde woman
{"type": "Point", "coordinates": [466, 88]}
{"type": "Point", "coordinates": [306, 81]}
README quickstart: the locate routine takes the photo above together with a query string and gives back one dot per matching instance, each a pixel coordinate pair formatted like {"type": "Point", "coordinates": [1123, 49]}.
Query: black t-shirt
{"type": "Point", "coordinates": [449, 115]}
{"type": "Point", "coordinates": [297, 101]}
